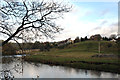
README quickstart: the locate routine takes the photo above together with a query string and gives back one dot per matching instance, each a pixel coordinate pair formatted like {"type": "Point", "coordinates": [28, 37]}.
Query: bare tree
{"type": "Point", "coordinates": [32, 19]}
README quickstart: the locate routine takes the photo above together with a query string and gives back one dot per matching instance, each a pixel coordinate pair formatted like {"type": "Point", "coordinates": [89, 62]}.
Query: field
{"type": "Point", "coordinates": [82, 55]}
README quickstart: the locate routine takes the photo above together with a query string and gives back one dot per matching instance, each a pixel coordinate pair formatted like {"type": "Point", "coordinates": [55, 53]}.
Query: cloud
{"type": "Point", "coordinates": [76, 23]}
{"type": "Point", "coordinates": [105, 30]}
{"type": "Point", "coordinates": [82, 21]}
{"type": "Point", "coordinates": [104, 12]}
{"type": "Point", "coordinates": [104, 22]}
{"type": "Point", "coordinates": [100, 25]}
{"type": "Point", "coordinates": [114, 24]}
{"type": "Point", "coordinates": [73, 26]}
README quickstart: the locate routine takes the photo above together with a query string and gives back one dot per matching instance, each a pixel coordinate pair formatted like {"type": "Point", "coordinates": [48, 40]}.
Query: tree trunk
{"type": "Point", "coordinates": [6, 41]}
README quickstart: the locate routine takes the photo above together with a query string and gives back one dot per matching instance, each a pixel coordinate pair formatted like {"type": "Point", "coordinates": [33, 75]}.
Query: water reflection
{"type": "Point", "coordinates": [32, 70]}
{"type": "Point", "coordinates": [13, 56]}
{"type": "Point", "coordinates": [96, 73]}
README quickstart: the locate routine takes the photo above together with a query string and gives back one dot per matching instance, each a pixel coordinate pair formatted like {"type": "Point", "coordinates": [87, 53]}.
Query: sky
{"type": "Point", "coordinates": [88, 17]}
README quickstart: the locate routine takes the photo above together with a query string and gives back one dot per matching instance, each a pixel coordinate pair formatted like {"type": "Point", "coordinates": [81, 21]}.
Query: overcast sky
{"type": "Point", "coordinates": [89, 18]}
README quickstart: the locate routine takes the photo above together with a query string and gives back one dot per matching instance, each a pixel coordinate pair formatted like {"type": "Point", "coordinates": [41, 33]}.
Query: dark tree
{"type": "Point", "coordinates": [105, 38]}
{"type": "Point", "coordinates": [9, 49]}
{"type": "Point", "coordinates": [42, 47]}
{"type": "Point", "coordinates": [29, 20]}
{"type": "Point", "coordinates": [86, 38]}
{"type": "Point", "coordinates": [26, 46]}
{"type": "Point", "coordinates": [47, 46]}
{"type": "Point", "coordinates": [76, 40]}
{"type": "Point", "coordinates": [82, 39]}
{"type": "Point", "coordinates": [36, 45]}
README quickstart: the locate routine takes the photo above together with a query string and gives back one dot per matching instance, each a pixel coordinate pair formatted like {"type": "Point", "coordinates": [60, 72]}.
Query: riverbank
{"type": "Point", "coordinates": [80, 55]}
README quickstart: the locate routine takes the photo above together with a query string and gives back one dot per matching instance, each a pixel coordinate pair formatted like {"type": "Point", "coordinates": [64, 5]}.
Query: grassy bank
{"type": "Point", "coordinates": [79, 55]}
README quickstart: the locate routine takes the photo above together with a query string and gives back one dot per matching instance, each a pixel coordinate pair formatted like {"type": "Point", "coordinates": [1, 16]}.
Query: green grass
{"type": "Point", "coordinates": [79, 55]}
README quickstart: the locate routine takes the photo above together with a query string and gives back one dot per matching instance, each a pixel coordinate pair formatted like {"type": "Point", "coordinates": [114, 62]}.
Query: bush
{"type": "Point", "coordinates": [8, 49]}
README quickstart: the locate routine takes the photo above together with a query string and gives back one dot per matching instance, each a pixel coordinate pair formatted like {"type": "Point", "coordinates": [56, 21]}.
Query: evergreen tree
{"type": "Point", "coordinates": [76, 40]}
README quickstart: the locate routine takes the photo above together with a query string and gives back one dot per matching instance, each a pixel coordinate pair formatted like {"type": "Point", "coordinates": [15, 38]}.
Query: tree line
{"type": "Point", "coordinates": [96, 37]}
{"type": "Point", "coordinates": [11, 48]}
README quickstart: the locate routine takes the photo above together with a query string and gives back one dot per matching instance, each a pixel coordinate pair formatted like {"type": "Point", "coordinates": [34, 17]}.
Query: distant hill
{"type": "Point", "coordinates": [92, 46]}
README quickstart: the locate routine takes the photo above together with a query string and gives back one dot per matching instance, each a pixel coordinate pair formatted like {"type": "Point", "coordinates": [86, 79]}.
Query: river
{"type": "Point", "coordinates": [23, 69]}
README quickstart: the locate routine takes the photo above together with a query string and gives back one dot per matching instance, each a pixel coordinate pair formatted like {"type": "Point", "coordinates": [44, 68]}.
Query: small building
{"type": "Point", "coordinates": [96, 37]}
{"type": "Point", "coordinates": [64, 42]}
{"type": "Point", "coordinates": [69, 41]}
{"type": "Point", "coordinates": [113, 40]}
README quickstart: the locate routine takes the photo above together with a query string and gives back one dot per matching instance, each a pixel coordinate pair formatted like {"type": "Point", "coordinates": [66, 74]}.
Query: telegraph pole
{"type": "Point", "coordinates": [99, 47]}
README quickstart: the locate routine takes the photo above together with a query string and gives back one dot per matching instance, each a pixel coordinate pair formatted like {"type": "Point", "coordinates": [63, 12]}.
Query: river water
{"type": "Point", "coordinates": [23, 69]}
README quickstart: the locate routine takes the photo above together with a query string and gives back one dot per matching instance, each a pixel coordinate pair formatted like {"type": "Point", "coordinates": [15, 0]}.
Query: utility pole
{"type": "Point", "coordinates": [99, 47]}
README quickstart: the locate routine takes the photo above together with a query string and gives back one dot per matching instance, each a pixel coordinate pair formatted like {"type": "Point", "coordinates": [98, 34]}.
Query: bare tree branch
{"type": "Point", "coordinates": [33, 17]}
